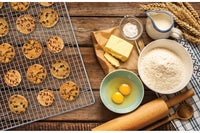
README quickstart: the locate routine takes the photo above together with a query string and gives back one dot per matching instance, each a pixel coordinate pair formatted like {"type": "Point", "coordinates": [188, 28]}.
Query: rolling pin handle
{"type": "Point", "coordinates": [160, 123]}
{"type": "Point", "coordinates": [179, 98]}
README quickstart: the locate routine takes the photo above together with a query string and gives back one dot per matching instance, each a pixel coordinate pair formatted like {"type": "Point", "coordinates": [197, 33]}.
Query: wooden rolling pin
{"type": "Point", "coordinates": [144, 115]}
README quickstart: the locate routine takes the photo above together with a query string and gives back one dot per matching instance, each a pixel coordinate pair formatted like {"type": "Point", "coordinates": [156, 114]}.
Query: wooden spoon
{"type": "Point", "coordinates": [183, 112]}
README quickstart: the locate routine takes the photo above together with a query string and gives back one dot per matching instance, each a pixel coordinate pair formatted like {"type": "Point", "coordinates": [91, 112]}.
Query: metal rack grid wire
{"type": "Point", "coordinates": [70, 53]}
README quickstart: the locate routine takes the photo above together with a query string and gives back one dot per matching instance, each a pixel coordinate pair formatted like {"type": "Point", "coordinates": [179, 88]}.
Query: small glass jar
{"type": "Point", "coordinates": [134, 21]}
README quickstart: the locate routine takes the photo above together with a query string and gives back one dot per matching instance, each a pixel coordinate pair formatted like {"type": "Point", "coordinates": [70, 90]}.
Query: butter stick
{"type": "Point", "coordinates": [112, 60]}
{"type": "Point", "coordinates": [118, 48]}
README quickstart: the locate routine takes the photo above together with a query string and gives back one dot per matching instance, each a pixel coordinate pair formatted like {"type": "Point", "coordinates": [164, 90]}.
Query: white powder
{"type": "Point", "coordinates": [130, 30]}
{"type": "Point", "coordinates": [162, 69]}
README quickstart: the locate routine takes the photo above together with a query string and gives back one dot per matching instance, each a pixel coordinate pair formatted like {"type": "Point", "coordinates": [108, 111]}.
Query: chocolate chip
{"type": "Point", "coordinates": [47, 14]}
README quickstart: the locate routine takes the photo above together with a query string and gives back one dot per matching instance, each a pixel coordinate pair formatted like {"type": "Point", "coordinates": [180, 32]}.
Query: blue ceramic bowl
{"type": "Point", "coordinates": [111, 83]}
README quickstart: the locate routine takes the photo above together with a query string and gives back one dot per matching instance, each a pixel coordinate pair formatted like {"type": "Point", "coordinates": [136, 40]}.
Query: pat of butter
{"type": "Point", "coordinates": [118, 48]}
{"type": "Point", "coordinates": [112, 60]}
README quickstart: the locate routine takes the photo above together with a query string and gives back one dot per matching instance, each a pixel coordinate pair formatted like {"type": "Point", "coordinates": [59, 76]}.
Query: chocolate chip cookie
{"type": "Point", "coordinates": [4, 27]}
{"type": "Point", "coordinates": [45, 97]}
{"type": "Point", "coordinates": [55, 44]}
{"type": "Point", "coordinates": [20, 6]}
{"type": "Point", "coordinates": [7, 53]}
{"type": "Point", "coordinates": [36, 74]}
{"type": "Point", "coordinates": [46, 3]}
{"type": "Point", "coordinates": [48, 17]}
{"type": "Point", "coordinates": [25, 24]}
{"type": "Point", "coordinates": [60, 69]}
{"type": "Point", "coordinates": [69, 91]}
{"type": "Point", "coordinates": [1, 5]}
{"type": "Point", "coordinates": [17, 104]}
{"type": "Point", "coordinates": [32, 49]}
{"type": "Point", "coordinates": [12, 78]}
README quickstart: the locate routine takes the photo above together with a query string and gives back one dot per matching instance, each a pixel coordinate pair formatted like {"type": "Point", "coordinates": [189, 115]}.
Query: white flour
{"type": "Point", "coordinates": [130, 30]}
{"type": "Point", "coordinates": [162, 69]}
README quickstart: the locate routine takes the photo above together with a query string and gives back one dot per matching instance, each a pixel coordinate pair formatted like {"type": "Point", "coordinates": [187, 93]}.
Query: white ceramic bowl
{"type": "Point", "coordinates": [180, 51]}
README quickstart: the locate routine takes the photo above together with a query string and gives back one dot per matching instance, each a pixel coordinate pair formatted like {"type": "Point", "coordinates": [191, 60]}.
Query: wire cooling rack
{"type": "Point", "coordinates": [70, 53]}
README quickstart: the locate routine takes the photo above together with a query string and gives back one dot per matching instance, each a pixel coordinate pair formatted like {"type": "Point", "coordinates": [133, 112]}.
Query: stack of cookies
{"type": "Point", "coordinates": [32, 49]}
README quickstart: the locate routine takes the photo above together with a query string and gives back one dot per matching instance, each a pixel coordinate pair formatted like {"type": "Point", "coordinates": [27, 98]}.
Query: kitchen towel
{"type": "Point", "coordinates": [194, 123]}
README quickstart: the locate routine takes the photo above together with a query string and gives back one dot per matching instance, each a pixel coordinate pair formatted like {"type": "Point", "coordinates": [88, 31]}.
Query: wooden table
{"type": "Point", "coordinates": [88, 17]}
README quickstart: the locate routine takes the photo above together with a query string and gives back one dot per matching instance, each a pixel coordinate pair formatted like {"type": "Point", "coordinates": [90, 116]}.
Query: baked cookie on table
{"type": "Point", "coordinates": [32, 49]}
{"type": "Point", "coordinates": [60, 69]}
{"type": "Point", "coordinates": [45, 97]}
{"type": "Point", "coordinates": [7, 53]}
{"type": "Point", "coordinates": [36, 74]}
{"type": "Point", "coordinates": [55, 44]}
{"type": "Point", "coordinates": [48, 17]}
{"type": "Point", "coordinates": [18, 104]}
{"type": "Point", "coordinates": [25, 24]}
{"type": "Point", "coordinates": [46, 3]}
{"type": "Point", "coordinates": [20, 6]}
{"type": "Point", "coordinates": [12, 78]}
{"type": "Point", "coordinates": [1, 5]}
{"type": "Point", "coordinates": [69, 91]}
{"type": "Point", "coordinates": [4, 27]}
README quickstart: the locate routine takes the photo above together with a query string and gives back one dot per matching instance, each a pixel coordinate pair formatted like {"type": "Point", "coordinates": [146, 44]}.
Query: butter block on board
{"type": "Point", "coordinates": [111, 60]}
{"type": "Point", "coordinates": [118, 48]}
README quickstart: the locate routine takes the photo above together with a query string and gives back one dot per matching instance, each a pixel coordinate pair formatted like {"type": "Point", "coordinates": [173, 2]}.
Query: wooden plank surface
{"type": "Point", "coordinates": [87, 17]}
{"type": "Point", "coordinates": [70, 126]}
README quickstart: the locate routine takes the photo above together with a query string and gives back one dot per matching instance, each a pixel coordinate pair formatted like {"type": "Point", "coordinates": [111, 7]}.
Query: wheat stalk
{"type": "Point", "coordinates": [191, 38]}
{"type": "Point", "coordinates": [193, 11]}
{"type": "Point", "coordinates": [154, 6]}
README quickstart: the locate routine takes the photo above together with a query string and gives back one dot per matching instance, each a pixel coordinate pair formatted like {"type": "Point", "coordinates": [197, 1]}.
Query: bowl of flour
{"type": "Point", "coordinates": [165, 66]}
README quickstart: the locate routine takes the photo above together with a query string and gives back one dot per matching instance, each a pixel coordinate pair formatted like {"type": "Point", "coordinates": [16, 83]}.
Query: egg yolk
{"type": "Point", "coordinates": [125, 89]}
{"type": "Point", "coordinates": [117, 97]}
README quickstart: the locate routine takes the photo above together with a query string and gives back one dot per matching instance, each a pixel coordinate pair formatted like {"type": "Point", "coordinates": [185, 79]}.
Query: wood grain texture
{"type": "Point", "coordinates": [111, 8]}
{"type": "Point", "coordinates": [87, 17]}
{"type": "Point", "coordinates": [71, 126]}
